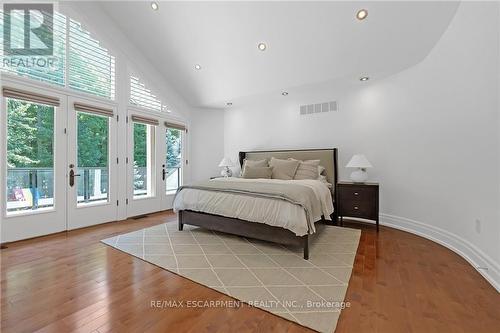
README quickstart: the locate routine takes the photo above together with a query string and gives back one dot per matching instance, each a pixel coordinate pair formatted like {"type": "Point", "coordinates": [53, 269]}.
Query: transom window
{"type": "Point", "coordinates": [49, 69]}
{"type": "Point", "coordinates": [141, 96]}
{"type": "Point", "coordinates": [83, 65]}
{"type": "Point", "coordinates": [91, 67]}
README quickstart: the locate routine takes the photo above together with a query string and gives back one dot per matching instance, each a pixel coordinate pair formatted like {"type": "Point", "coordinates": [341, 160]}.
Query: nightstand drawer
{"type": "Point", "coordinates": [357, 193]}
{"type": "Point", "coordinates": [356, 208]}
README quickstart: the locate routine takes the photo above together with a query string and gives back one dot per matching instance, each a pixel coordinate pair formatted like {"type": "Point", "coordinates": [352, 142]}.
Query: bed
{"type": "Point", "coordinates": [280, 211]}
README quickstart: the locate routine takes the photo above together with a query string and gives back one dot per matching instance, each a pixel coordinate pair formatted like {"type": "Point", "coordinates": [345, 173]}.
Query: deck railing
{"type": "Point", "coordinates": [29, 188]}
{"type": "Point", "coordinates": [173, 180]}
{"type": "Point", "coordinates": [33, 188]}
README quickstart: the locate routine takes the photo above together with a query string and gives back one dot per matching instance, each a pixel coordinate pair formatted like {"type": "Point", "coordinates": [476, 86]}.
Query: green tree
{"type": "Point", "coordinates": [140, 145]}
{"type": "Point", "coordinates": [30, 137]}
{"type": "Point", "coordinates": [174, 148]}
{"type": "Point", "coordinates": [92, 140]}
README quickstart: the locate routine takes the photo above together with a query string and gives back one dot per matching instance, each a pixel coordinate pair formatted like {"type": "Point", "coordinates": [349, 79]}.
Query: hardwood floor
{"type": "Point", "coordinates": [72, 282]}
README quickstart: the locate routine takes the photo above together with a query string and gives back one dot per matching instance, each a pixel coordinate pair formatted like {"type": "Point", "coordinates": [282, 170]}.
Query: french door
{"type": "Point", "coordinates": [60, 165]}
{"type": "Point", "coordinates": [175, 162]}
{"type": "Point", "coordinates": [33, 149]}
{"type": "Point", "coordinates": [156, 162]}
{"type": "Point", "coordinates": [92, 163]}
{"type": "Point", "coordinates": [144, 155]}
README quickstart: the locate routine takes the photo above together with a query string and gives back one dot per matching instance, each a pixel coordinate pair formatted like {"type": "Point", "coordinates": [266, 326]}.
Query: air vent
{"type": "Point", "coordinates": [318, 108]}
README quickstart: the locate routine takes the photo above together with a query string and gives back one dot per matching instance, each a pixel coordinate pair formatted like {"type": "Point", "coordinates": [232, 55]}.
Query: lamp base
{"type": "Point", "coordinates": [359, 176]}
{"type": "Point", "coordinates": [226, 172]}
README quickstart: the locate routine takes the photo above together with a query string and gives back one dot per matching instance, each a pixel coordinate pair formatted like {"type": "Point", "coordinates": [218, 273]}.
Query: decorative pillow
{"type": "Point", "coordinates": [307, 170]}
{"type": "Point", "coordinates": [283, 169]}
{"type": "Point", "coordinates": [321, 169]}
{"type": "Point", "coordinates": [251, 172]}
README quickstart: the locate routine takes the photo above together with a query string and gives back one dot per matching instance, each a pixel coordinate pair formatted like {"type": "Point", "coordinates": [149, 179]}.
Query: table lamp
{"type": "Point", "coordinates": [226, 163]}
{"type": "Point", "coordinates": [361, 163]}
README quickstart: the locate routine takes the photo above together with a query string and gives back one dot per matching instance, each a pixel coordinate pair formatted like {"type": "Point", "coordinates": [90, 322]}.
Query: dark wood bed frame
{"type": "Point", "coordinates": [256, 230]}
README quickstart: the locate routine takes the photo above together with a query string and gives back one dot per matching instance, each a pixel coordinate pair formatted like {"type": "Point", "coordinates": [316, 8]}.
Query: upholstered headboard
{"type": "Point", "coordinates": [327, 157]}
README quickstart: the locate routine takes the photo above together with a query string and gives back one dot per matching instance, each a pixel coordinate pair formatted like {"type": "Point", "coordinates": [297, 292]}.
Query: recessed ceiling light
{"type": "Point", "coordinates": [197, 67]}
{"type": "Point", "coordinates": [284, 93]}
{"type": "Point", "coordinates": [229, 103]}
{"type": "Point", "coordinates": [361, 14]}
{"type": "Point", "coordinates": [154, 5]}
{"type": "Point", "coordinates": [364, 78]}
{"type": "Point", "coordinates": [262, 46]}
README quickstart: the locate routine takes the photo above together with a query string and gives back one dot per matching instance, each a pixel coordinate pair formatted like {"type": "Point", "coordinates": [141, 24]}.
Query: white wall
{"type": "Point", "coordinates": [207, 143]}
{"type": "Point", "coordinates": [431, 133]}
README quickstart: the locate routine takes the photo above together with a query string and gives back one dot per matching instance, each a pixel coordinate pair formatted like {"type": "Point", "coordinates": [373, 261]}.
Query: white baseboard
{"type": "Point", "coordinates": [477, 258]}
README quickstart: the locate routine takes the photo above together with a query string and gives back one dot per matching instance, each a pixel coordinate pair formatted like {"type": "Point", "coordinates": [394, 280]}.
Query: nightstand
{"type": "Point", "coordinates": [357, 200]}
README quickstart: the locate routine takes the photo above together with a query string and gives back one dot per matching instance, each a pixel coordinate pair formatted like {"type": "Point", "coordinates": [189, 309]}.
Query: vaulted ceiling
{"type": "Point", "coordinates": [307, 42]}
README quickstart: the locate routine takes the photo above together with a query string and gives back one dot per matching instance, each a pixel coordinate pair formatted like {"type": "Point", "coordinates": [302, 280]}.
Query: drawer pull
{"type": "Point", "coordinates": [356, 193]}
{"type": "Point", "coordinates": [355, 207]}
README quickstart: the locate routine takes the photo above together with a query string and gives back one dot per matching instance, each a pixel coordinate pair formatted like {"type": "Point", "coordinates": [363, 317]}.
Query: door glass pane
{"type": "Point", "coordinates": [143, 143]}
{"type": "Point", "coordinates": [30, 156]}
{"type": "Point", "coordinates": [174, 159]}
{"type": "Point", "coordinates": [93, 160]}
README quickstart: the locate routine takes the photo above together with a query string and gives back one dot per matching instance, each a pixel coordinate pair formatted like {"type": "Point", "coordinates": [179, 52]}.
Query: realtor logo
{"type": "Point", "coordinates": [28, 29]}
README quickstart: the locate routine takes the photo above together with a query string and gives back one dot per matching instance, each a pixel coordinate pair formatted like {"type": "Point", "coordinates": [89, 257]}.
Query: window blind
{"type": "Point", "coordinates": [93, 109]}
{"type": "Point", "coordinates": [30, 96]}
{"type": "Point", "coordinates": [141, 96]}
{"type": "Point", "coordinates": [175, 126]}
{"type": "Point", "coordinates": [91, 68]}
{"type": "Point", "coordinates": [50, 69]}
{"type": "Point", "coordinates": [145, 120]}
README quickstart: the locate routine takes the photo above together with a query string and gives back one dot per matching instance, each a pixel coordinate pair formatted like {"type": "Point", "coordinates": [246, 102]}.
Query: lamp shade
{"type": "Point", "coordinates": [359, 161]}
{"type": "Point", "coordinates": [226, 162]}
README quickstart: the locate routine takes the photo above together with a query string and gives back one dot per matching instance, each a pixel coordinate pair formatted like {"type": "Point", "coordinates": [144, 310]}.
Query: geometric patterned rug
{"type": "Point", "coordinates": [266, 275]}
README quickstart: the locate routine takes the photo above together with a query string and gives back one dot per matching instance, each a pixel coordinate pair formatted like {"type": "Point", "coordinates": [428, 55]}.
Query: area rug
{"type": "Point", "coordinates": [272, 277]}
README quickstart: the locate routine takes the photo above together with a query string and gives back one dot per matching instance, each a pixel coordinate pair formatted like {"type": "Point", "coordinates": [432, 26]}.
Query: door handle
{"type": "Point", "coordinates": [163, 174]}
{"type": "Point", "coordinates": [72, 176]}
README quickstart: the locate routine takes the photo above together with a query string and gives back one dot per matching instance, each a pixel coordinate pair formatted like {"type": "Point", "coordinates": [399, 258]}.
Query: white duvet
{"type": "Point", "coordinates": [274, 212]}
